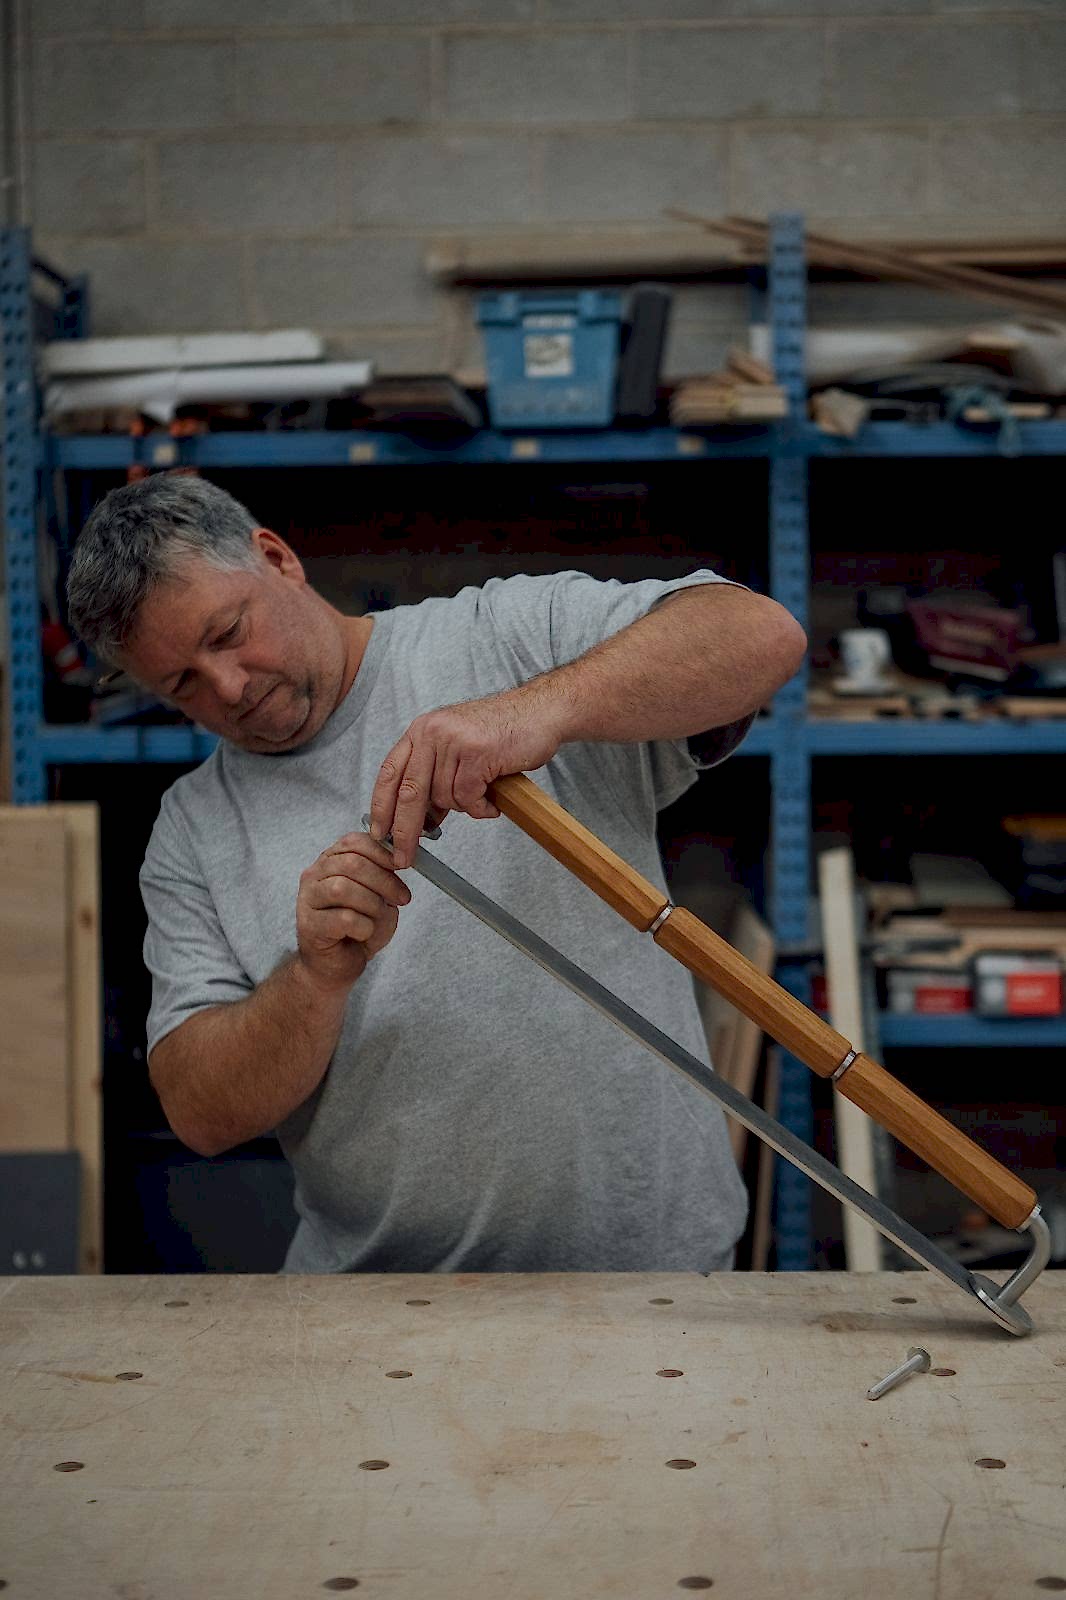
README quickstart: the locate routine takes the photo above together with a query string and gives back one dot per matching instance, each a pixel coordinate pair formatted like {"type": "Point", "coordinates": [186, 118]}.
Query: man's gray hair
{"type": "Point", "coordinates": [140, 535]}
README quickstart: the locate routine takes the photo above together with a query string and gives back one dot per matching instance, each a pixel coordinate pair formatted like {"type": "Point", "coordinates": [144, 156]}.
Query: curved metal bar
{"type": "Point", "coordinates": [1035, 1262]}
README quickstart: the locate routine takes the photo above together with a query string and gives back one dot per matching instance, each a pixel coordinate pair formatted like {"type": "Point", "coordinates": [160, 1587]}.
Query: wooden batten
{"type": "Point", "coordinates": [51, 1042]}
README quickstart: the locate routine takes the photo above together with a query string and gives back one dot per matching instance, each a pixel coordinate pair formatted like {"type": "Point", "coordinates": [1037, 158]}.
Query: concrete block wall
{"type": "Point", "coordinates": [218, 164]}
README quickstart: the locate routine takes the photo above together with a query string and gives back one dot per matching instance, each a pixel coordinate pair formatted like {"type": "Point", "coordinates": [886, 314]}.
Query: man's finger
{"type": "Point", "coordinates": [387, 787]}
{"type": "Point", "coordinates": [357, 872]}
{"type": "Point", "coordinates": [442, 794]}
{"type": "Point", "coordinates": [357, 844]}
{"type": "Point", "coordinates": [412, 799]}
{"type": "Point", "coordinates": [469, 788]}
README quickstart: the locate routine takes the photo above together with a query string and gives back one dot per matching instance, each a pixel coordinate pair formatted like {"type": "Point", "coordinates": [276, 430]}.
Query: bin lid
{"type": "Point", "coordinates": [510, 307]}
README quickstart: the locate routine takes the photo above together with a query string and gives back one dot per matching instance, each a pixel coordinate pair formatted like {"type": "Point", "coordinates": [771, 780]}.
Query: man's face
{"type": "Point", "coordinates": [250, 655]}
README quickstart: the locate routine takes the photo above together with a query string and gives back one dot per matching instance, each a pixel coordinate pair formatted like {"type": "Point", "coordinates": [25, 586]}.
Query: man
{"type": "Point", "coordinates": [445, 1104]}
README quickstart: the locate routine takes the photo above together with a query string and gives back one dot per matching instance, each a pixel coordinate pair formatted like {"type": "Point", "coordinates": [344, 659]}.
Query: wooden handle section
{"type": "Point", "coordinates": [786, 1019]}
{"type": "Point", "coordinates": [777, 1012]}
{"type": "Point", "coordinates": [570, 842]}
{"type": "Point", "coordinates": [945, 1147]}
{"type": "Point", "coordinates": [865, 1084]}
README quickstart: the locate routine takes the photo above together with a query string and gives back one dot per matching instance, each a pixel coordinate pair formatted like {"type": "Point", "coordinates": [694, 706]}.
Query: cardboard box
{"type": "Point", "coordinates": [1018, 983]}
{"type": "Point", "coordinates": [932, 992]}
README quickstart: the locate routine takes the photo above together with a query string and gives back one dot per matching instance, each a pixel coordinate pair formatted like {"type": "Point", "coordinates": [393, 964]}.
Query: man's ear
{"type": "Point", "coordinates": [279, 555]}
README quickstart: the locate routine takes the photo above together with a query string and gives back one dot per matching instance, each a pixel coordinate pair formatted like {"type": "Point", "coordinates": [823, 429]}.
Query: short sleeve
{"type": "Point", "coordinates": [185, 948]}
{"type": "Point", "coordinates": [584, 611]}
{"type": "Point", "coordinates": [711, 748]}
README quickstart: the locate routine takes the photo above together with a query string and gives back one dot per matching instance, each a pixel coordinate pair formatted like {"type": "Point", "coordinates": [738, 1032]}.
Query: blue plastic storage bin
{"type": "Point", "coordinates": [551, 357]}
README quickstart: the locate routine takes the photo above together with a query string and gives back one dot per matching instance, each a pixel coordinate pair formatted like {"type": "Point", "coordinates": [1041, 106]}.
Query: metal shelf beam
{"type": "Point", "coordinates": [990, 736]}
{"type": "Point", "coordinates": [314, 448]}
{"type": "Point", "coordinates": [965, 1032]}
{"type": "Point", "coordinates": [947, 439]}
{"type": "Point", "coordinates": [74, 745]}
{"type": "Point", "coordinates": [777, 736]}
{"type": "Point", "coordinates": [368, 449]}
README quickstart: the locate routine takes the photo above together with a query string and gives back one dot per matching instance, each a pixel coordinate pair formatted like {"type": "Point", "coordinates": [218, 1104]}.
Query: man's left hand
{"type": "Point", "coordinates": [447, 758]}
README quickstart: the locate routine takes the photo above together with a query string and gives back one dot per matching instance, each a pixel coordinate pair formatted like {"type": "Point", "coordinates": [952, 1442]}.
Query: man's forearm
{"type": "Point", "coordinates": [236, 1071]}
{"type": "Point", "coordinates": [704, 658]}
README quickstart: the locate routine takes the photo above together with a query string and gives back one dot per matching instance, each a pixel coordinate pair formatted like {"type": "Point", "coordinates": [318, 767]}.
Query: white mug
{"type": "Point", "coordinates": [865, 653]}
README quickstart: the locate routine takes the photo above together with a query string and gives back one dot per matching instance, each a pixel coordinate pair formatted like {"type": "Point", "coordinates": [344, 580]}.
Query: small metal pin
{"type": "Point", "coordinates": [427, 833]}
{"type": "Point", "coordinates": [917, 1361]}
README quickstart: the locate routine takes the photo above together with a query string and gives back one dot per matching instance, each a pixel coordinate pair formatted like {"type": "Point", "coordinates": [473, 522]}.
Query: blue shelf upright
{"type": "Point", "coordinates": [790, 810]}
{"type": "Point", "coordinates": [24, 676]}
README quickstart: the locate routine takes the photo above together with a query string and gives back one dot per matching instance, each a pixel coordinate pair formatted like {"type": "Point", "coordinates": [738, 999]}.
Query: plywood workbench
{"type": "Point", "coordinates": [454, 1437]}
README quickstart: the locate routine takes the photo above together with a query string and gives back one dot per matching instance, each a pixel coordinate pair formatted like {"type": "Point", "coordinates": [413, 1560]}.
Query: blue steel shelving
{"type": "Point", "coordinates": [18, 464]}
{"type": "Point", "coordinates": [800, 442]}
{"type": "Point", "coordinates": [968, 1032]}
{"type": "Point", "coordinates": [367, 449]}
{"type": "Point", "coordinates": [786, 738]}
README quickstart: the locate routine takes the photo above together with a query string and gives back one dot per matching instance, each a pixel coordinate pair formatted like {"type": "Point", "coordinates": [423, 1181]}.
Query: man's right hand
{"type": "Point", "coordinates": [347, 909]}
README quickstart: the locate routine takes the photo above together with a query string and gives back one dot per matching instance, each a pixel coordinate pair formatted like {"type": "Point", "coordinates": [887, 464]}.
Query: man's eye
{"type": "Point", "coordinates": [230, 632]}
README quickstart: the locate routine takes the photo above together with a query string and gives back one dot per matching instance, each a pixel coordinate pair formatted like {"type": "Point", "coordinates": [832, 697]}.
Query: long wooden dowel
{"type": "Point", "coordinates": [975, 280]}
{"type": "Point", "coordinates": [946, 1148]}
{"type": "Point", "coordinates": [884, 262]}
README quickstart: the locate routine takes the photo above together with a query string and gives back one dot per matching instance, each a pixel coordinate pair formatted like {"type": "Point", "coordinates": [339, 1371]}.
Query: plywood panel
{"type": "Point", "coordinates": [836, 884]}
{"type": "Point", "coordinates": [85, 1040]}
{"type": "Point", "coordinates": [527, 1454]}
{"type": "Point", "coordinates": [74, 1119]}
{"type": "Point", "coordinates": [34, 1100]}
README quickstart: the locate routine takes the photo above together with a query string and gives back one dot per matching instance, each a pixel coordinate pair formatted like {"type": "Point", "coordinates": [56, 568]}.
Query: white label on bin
{"type": "Point", "coordinates": [549, 355]}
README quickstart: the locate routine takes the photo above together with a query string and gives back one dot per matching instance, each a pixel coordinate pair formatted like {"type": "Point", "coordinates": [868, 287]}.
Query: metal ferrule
{"type": "Point", "coordinates": [848, 1061]}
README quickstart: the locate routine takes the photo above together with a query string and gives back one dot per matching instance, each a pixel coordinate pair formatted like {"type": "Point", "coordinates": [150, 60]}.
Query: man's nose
{"type": "Point", "coordinates": [228, 680]}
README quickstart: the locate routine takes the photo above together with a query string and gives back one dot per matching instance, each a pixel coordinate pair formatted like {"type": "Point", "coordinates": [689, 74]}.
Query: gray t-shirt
{"type": "Point", "coordinates": [476, 1115]}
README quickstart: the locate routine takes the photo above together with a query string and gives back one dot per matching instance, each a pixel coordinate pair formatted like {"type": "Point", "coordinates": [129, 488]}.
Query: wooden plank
{"type": "Point", "coordinates": [762, 1224]}
{"type": "Point", "coordinates": [85, 1042]}
{"type": "Point", "coordinates": [855, 1150]}
{"type": "Point", "coordinates": [566, 257]}
{"type": "Point", "coordinates": [1023, 707]}
{"type": "Point", "coordinates": [1021, 410]}
{"type": "Point", "coordinates": [34, 1102]}
{"type": "Point", "coordinates": [970, 942]}
{"type": "Point", "coordinates": [5, 739]}
{"type": "Point", "coordinates": [75, 1110]}
{"type": "Point", "coordinates": [527, 1452]}
{"type": "Point", "coordinates": [569, 257]}
{"type": "Point", "coordinates": [1005, 917]}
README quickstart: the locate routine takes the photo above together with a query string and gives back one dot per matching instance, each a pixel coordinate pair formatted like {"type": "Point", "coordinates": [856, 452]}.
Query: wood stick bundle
{"type": "Point", "coordinates": [885, 262]}
{"type": "Point", "coordinates": [743, 391]}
